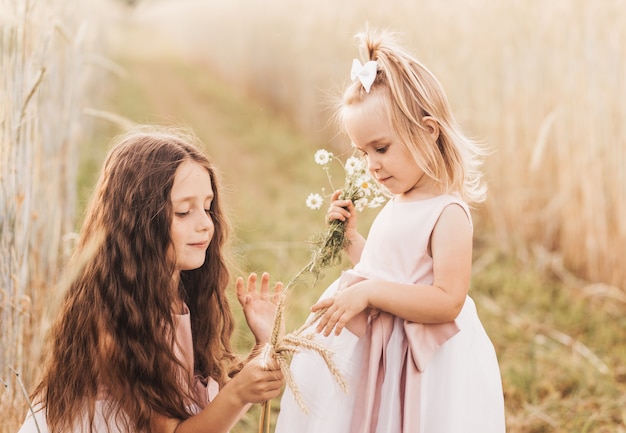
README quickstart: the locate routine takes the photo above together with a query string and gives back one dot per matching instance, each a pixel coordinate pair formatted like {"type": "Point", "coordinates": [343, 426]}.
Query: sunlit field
{"type": "Point", "coordinates": [542, 83]}
{"type": "Point", "coordinates": [48, 72]}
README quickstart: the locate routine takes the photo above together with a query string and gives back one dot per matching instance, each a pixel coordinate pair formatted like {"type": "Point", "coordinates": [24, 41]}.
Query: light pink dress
{"type": "Point", "coordinates": [184, 352]}
{"type": "Point", "coordinates": [403, 377]}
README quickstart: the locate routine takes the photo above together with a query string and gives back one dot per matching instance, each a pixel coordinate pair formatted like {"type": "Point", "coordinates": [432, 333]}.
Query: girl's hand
{"type": "Point", "coordinates": [259, 307]}
{"type": "Point", "coordinates": [342, 308]}
{"type": "Point", "coordinates": [256, 382]}
{"type": "Point", "coordinates": [342, 210]}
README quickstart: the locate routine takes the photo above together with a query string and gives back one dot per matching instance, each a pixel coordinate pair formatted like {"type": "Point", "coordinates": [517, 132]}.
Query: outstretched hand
{"type": "Point", "coordinates": [259, 306]}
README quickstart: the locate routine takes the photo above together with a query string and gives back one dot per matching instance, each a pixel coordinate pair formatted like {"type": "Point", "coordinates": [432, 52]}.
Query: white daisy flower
{"type": "Point", "coordinates": [353, 164]}
{"type": "Point", "coordinates": [360, 204]}
{"type": "Point", "coordinates": [314, 201]}
{"type": "Point", "coordinates": [365, 184]}
{"type": "Point", "coordinates": [376, 201]}
{"type": "Point", "coordinates": [322, 157]}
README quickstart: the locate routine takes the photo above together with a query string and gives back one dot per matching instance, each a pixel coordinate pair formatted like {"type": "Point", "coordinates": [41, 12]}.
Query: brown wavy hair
{"type": "Point", "coordinates": [115, 331]}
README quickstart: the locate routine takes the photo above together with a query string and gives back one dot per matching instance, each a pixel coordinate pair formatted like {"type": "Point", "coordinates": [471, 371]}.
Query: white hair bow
{"type": "Point", "coordinates": [365, 73]}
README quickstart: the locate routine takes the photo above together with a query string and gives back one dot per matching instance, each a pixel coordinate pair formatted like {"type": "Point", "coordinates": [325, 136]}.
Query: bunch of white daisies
{"type": "Point", "coordinates": [359, 185]}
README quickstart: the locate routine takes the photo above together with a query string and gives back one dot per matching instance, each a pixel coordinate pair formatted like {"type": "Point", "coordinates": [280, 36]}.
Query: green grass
{"type": "Point", "coordinates": [268, 170]}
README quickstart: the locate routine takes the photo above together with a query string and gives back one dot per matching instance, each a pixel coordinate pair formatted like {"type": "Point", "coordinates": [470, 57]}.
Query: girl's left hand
{"type": "Point", "coordinates": [259, 307]}
{"type": "Point", "coordinates": [343, 307]}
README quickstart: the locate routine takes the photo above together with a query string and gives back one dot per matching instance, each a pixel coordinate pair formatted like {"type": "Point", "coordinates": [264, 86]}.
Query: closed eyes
{"type": "Point", "coordinates": [382, 149]}
{"type": "Point", "coordinates": [184, 214]}
{"type": "Point", "coordinates": [379, 149]}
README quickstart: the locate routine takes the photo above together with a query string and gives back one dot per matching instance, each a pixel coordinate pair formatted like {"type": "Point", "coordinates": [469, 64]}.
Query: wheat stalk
{"type": "Point", "coordinates": [327, 251]}
{"type": "Point", "coordinates": [30, 403]}
{"type": "Point", "coordinates": [281, 349]}
{"type": "Point", "coordinates": [42, 86]}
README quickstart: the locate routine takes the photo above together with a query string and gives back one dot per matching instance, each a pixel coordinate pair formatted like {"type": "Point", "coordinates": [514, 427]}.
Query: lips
{"type": "Point", "coordinates": [200, 245]}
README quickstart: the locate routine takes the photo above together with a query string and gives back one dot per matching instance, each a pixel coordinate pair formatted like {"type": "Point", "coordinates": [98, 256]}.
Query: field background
{"type": "Point", "coordinates": [543, 83]}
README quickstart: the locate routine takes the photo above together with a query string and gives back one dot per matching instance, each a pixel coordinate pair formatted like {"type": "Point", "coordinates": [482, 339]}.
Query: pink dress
{"type": "Point", "coordinates": [184, 352]}
{"type": "Point", "coordinates": [403, 377]}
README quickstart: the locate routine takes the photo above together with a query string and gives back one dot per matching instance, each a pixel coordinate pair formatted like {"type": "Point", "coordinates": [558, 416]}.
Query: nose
{"type": "Point", "coordinates": [205, 221]}
{"type": "Point", "coordinates": [373, 163]}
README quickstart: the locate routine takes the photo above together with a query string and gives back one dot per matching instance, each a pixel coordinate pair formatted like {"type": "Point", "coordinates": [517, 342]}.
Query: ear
{"type": "Point", "coordinates": [432, 127]}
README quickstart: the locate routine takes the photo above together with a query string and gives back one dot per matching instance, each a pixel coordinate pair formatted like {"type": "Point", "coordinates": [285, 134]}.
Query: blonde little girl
{"type": "Point", "coordinates": [405, 333]}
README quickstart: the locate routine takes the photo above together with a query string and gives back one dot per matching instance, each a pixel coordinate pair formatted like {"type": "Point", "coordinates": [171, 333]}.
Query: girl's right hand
{"type": "Point", "coordinates": [342, 210]}
{"type": "Point", "coordinates": [257, 382]}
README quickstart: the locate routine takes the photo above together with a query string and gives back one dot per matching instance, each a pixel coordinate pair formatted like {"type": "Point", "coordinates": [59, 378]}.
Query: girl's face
{"type": "Point", "coordinates": [192, 227]}
{"type": "Point", "coordinates": [388, 160]}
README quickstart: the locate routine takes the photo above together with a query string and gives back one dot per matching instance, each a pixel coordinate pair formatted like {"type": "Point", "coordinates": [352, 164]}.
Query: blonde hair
{"type": "Point", "coordinates": [408, 92]}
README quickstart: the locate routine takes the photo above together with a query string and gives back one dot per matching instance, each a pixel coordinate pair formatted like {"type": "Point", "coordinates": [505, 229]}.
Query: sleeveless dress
{"type": "Point", "coordinates": [403, 377]}
{"type": "Point", "coordinates": [184, 352]}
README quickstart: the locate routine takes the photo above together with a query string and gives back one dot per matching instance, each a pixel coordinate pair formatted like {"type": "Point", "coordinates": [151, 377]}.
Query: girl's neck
{"type": "Point", "coordinates": [177, 303]}
{"type": "Point", "coordinates": [426, 188]}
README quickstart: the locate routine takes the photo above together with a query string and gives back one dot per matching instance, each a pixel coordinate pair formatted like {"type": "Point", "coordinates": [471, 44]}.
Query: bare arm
{"type": "Point", "coordinates": [451, 245]}
{"type": "Point", "coordinates": [254, 383]}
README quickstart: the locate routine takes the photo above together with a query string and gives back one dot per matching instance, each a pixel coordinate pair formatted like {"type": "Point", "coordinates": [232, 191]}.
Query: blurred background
{"type": "Point", "coordinates": [542, 83]}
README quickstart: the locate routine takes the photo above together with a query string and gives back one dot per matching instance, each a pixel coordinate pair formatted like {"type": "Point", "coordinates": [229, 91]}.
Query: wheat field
{"type": "Point", "coordinates": [542, 83]}
{"type": "Point", "coordinates": [48, 70]}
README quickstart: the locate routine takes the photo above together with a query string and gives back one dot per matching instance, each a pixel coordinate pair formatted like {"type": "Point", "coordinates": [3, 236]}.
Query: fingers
{"type": "Point", "coordinates": [272, 374]}
{"type": "Point", "coordinates": [329, 321]}
{"type": "Point", "coordinates": [273, 385]}
{"type": "Point", "coordinates": [256, 383]}
{"type": "Point", "coordinates": [269, 373]}
{"type": "Point", "coordinates": [337, 213]}
{"type": "Point", "coordinates": [265, 288]}
{"type": "Point", "coordinates": [324, 303]}
{"type": "Point", "coordinates": [245, 293]}
{"type": "Point", "coordinates": [278, 292]}
{"type": "Point", "coordinates": [252, 282]}
{"type": "Point", "coordinates": [339, 209]}
{"type": "Point", "coordinates": [338, 328]}
{"type": "Point", "coordinates": [265, 284]}
{"type": "Point", "coordinates": [241, 292]}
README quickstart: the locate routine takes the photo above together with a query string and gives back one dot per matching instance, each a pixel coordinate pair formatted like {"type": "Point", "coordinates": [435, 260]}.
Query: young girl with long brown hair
{"type": "Point", "coordinates": [142, 341]}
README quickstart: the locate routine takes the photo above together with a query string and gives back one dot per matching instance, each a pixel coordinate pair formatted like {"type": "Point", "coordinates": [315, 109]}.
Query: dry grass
{"type": "Point", "coordinates": [541, 82]}
{"type": "Point", "coordinates": [45, 77]}
{"type": "Point", "coordinates": [549, 328]}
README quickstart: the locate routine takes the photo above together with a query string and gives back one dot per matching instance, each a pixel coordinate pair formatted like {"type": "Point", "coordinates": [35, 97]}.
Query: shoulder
{"type": "Point", "coordinates": [454, 208]}
{"type": "Point", "coordinates": [454, 213]}
{"type": "Point", "coordinates": [452, 237]}
{"type": "Point", "coordinates": [454, 221]}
